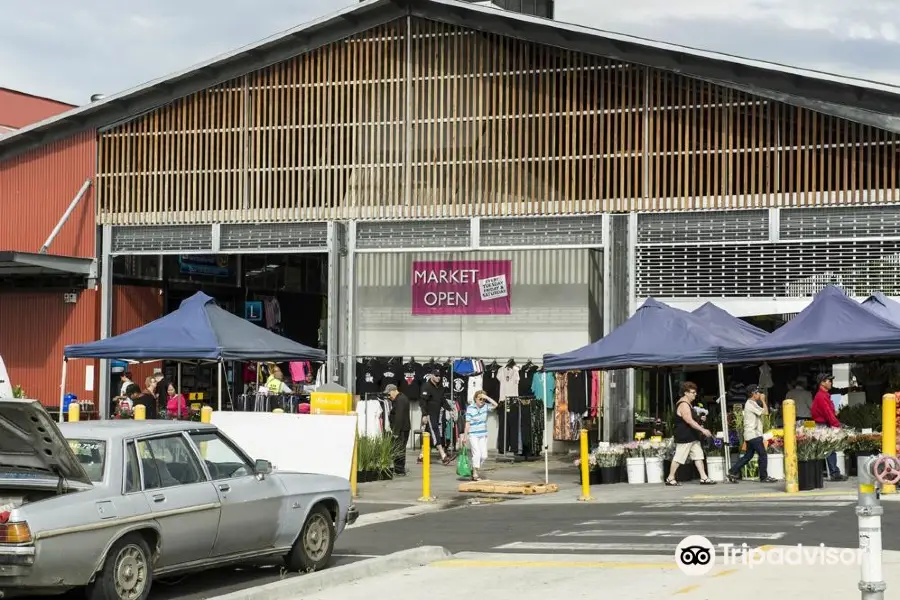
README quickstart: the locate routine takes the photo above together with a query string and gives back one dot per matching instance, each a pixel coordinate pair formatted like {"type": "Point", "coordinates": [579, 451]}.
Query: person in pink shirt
{"type": "Point", "coordinates": [823, 414]}
{"type": "Point", "coordinates": [176, 405]}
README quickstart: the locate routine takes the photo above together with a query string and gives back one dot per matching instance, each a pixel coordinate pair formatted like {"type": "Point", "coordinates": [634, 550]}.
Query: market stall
{"type": "Point", "coordinates": [199, 331]}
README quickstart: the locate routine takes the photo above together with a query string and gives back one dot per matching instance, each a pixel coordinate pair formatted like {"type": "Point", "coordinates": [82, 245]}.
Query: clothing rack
{"type": "Point", "coordinates": [385, 413]}
{"type": "Point", "coordinates": [289, 403]}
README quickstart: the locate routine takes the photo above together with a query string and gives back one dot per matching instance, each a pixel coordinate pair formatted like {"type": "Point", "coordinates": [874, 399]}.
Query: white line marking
{"type": "Point", "coordinates": [357, 555]}
{"type": "Point", "coordinates": [736, 502]}
{"type": "Point", "coordinates": [396, 514]}
{"type": "Point", "coordinates": [780, 523]}
{"type": "Point", "coordinates": [666, 534]}
{"type": "Point", "coordinates": [725, 513]}
{"type": "Point", "coordinates": [587, 547]}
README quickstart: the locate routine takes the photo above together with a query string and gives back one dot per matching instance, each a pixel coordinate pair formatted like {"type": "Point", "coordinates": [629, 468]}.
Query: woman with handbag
{"type": "Point", "coordinates": [476, 432]}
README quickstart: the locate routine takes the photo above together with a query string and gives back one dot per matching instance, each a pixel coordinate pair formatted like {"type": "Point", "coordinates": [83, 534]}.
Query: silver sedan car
{"type": "Point", "coordinates": [109, 505]}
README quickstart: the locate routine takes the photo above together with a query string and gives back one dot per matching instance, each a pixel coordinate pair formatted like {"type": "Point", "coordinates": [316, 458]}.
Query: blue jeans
{"type": "Point", "coordinates": [831, 461]}
{"type": "Point", "coordinates": [754, 446]}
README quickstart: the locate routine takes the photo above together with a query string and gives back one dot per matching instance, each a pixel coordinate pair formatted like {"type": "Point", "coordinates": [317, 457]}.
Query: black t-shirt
{"type": "Point", "coordinates": [392, 374]}
{"type": "Point", "coordinates": [368, 377]}
{"type": "Point", "coordinates": [526, 377]}
{"type": "Point", "coordinates": [577, 392]}
{"type": "Point", "coordinates": [412, 374]}
{"type": "Point", "coordinates": [460, 388]}
{"type": "Point", "coordinates": [489, 382]}
{"type": "Point", "coordinates": [149, 403]}
{"type": "Point", "coordinates": [445, 376]}
{"type": "Point", "coordinates": [431, 399]}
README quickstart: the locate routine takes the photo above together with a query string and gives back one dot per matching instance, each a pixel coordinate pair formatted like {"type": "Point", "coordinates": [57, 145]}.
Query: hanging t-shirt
{"type": "Point", "coordinates": [490, 384]}
{"type": "Point", "coordinates": [542, 381]}
{"type": "Point", "coordinates": [475, 384]}
{"type": "Point", "coordinates": [412, 374]}
{"type": "Point", "coordinates": [460, 386]}
{"type": "Point", "coordinates": [445, 376]}
{"type": "Point", "coordinates": [526, 376]}
{"type": "Point", "coordinates": [369, 417]}
{"type": "Point", "coordinates": [392, 374]}
{"type": "Point", "coordinates": [368, 378]}
{"type": "Point", "coordinates": [509, 382]}
{"type": "Point", "coordinates": [578, 393]}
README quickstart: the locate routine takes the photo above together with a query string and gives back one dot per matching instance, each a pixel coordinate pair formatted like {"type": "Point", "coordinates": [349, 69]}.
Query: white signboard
{"type": "Point", "coordinates": [493, 287]}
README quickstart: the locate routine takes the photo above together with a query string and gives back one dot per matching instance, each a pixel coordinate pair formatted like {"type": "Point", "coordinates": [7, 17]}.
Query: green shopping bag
{"type": "Point", "coordinates": [463, 466]}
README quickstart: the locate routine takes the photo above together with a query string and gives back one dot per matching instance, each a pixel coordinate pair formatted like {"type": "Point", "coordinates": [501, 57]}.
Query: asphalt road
{"type": "Point", "coordinates": [635, 528]}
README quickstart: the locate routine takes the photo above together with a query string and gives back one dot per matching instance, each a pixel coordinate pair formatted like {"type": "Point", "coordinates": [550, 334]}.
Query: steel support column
{"type": "Point", "coordinates": [106, 308]}
{"type": "Point", "coordinates": [351, 337]}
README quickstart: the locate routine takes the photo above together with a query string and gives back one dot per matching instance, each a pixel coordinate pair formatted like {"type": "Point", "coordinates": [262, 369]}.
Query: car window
{"type": "Point", "coordinates": [92, 456]}
{"type": "Point", "coordinates": [167, 462]}
{"type": "Point", "coordinates": [222, 460]}
{"type": "Point", "coordinates": [132, 470]}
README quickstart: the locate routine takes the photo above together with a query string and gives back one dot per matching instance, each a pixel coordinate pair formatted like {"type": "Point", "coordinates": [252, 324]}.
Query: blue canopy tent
{"type": "Point", "coordinates": [832, 326]}
{"type": "Point", "coordinates": [657, 335]}
{"type": "Point", "coordinates": [727, 325]}
{"type": "Point", "coordinates": [199, 330]}
{"type": "Point", "coordinates": [884, 307]}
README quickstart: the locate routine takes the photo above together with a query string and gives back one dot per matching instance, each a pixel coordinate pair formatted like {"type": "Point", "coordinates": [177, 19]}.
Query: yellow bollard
{"type": "Point", "coordinates": [789, 411]}
{"type": "Point", "coordinates": [426, 468]}
{"type": "Point", "coordinates": [585, 469]}
{"type": "Point", "coordinates": [889, 433]}
{"type": "Point", "coordinates": [354, 482]}
{"type": "Point", "coordinates": [74, 412]}
{"type": "Point", "coordinates": [140, 412]}
{"type": "Point", "coordinates": [206, 414]}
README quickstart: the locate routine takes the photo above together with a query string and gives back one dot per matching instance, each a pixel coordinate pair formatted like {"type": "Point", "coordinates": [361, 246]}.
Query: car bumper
{"type": "Point", "coordinates": [352, 514]}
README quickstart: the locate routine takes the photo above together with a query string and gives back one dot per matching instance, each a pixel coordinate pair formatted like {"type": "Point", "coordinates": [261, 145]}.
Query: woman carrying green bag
{"type": "Point", "coordinates": [476, 433]}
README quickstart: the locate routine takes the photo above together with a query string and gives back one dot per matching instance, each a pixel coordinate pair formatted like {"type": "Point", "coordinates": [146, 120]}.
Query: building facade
{"type": "Point", "coordinates": [605, 169]}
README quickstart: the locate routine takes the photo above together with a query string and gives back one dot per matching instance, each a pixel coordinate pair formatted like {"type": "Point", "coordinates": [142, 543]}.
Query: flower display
{"type": "Point", "coordinates": [634, 450]}
{"type": "Point", "coordinates": [775, 446]}
{"type": "Point", "coordinates": [608, 457]}
{"type": "Point", "coordinates": [818, 443]}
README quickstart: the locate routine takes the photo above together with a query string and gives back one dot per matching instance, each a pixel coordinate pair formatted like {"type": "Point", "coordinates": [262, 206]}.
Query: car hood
{"type": "Point", "coordinates": [29, 439]}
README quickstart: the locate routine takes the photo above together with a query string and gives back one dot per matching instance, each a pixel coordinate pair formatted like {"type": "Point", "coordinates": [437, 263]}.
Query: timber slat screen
{"type": "Point", "coordinates": [496, 126]}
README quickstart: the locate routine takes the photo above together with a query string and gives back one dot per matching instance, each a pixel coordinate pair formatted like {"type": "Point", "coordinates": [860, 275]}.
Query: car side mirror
{"type": "Point", "coordinates": [262, 468]}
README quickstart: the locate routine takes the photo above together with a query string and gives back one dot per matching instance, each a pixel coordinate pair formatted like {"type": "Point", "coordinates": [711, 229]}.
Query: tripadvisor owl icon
{"type": "Point", "coordinates": [695, 555]}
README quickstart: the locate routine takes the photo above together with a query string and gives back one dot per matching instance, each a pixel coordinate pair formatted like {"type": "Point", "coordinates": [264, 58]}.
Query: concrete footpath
{"type": "Point", "coordinates": [537, 577]}
{"type": "Point", "coordinates": [445, 487]}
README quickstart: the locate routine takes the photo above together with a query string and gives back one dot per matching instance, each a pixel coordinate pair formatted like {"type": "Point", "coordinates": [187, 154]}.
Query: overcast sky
{"type": "Point", "coordinates": [69, 50]}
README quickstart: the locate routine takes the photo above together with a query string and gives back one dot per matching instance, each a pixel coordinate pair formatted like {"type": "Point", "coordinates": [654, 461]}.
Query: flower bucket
{"type": "Point", "coordinates": [715, 467]}
{"type": "Point", "coordinates": [841, 461]}
{"type": "Point", "coordinates": [654, 465]}
{"type": "Point", "coordinates": [776, 466]}
{"type": "Point", "coordinates": [806, 474]}
{"type": "Point", "coordinates": [635, 469]}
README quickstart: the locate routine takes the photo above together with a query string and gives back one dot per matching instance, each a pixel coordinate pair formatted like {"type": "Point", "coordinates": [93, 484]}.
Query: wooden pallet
{"type": "Point", "coordinates": [508, 487]}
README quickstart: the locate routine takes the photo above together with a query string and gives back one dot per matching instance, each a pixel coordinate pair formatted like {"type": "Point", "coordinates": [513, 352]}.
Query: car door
{"type": "Point", "coordinates": [250, 504]}
{"type": "Point", "coordinates": [183, 501]}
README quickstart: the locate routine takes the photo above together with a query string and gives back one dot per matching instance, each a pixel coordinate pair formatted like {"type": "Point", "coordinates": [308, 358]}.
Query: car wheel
{"type": "Point", "coordinates": [312, 548]}
{"type": "Point", "coordinates": [127, 572]}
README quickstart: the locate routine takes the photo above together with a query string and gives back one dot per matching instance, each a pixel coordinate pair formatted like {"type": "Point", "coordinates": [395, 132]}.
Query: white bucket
{"type": "Point", "coordinates": [635, 468]}
{"type": "Point", "coordinates": [715, 467]}
{"type": "Point", "coordinates": [654, 466]}
{"type": "Point", "coordinates": [776, 466]}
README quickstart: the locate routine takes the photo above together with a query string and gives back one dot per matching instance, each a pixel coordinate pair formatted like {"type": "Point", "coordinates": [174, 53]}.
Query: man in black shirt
{"type": "Point", "coordinates": [400, 426]}
{"type": "Point", "coordinates": [431, 401]}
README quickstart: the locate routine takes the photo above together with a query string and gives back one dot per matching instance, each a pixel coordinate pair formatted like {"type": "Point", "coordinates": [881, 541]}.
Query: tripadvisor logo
{"type": "Point", "coordinates": [695, 555]}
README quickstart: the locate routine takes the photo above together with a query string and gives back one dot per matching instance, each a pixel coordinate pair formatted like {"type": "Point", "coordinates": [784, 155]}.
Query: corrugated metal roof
{"type": "Point", "coordinates": [861, 100]}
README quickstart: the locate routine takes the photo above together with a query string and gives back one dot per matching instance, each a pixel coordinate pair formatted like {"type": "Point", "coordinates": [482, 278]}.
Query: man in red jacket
{"type": "Point", "coordinates": [823, 414]}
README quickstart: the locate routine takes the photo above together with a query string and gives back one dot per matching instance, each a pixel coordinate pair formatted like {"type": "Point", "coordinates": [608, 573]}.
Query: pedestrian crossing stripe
{"type": "Point", "coordinates": [726, 513]}
{"type": "Point", "coordinates": [743, 503]}
{"type": "Point", "coordinates": [586, 547]}
{"type": "Point", "coordinates": [724, 535]}
{"type": "Point", "coordinates": [667, 521]}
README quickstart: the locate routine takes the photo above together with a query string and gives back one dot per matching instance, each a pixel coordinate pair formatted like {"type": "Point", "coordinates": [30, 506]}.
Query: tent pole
{"type": "Point", "coordinates": [219, 383]}
{"type": "Point", "coordinates": [723, 408]}
{"type": "Point", "coordinates": [62, 389]}
{"type": "Point", "coordinates": [179, 376]}
{"type": "Point", "coordinates": [546, 437]}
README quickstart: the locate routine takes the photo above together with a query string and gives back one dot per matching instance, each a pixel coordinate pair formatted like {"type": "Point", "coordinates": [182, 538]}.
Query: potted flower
{"type": "Point", "coordinates": [654, 454]}
{"type": "Point", "coordinates": [861, 444]}
{"type": "Point", "coordinates": [715, 459]}
{"type": "Point", "coordinates": [775, 457]}
{"type": "Point", "coordinates": [813, 446]}
{"type": "Point", "coordinates": [634, 462]}
{"type": "Point", "coordinates": [609, 463]}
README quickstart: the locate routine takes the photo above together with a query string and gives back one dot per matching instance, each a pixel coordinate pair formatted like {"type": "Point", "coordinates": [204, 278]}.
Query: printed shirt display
{"type": "Point", "coordinates": [509, 382]}
{"type": "Point", "coordinates": [369, 421]}
{"type": "Point", "coordinates": [538, 386]}
{"type": "Point", "coordinates": [368, 377]}
{"type": "Point", "coordinates": [412, 374]}
{"type": "Point", "coordinates": [475, 384]}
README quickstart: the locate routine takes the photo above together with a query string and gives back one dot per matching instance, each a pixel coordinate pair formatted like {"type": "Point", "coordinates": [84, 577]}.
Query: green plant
{"type": "Point", "coordinates": [738, 419]}
{"type": "Point", "coordinates": [863, 442]}
{"type": "Point", "coordinates": [18, 392]}
{"type": "Point", "coordinates": [376, 453]}
{"type": "Point", "coordinates": [861, 416]}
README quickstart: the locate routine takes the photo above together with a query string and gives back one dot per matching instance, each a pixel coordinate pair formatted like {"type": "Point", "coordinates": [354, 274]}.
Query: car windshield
{"type": "Point", "coordinates": [92, 456]}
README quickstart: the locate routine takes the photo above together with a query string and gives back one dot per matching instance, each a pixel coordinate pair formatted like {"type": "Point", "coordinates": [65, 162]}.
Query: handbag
{"type": "Point", "coordinates": [463, 466]}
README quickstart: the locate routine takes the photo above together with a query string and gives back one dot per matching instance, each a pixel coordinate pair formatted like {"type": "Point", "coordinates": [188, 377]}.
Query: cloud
{"type": "Point", "coordinates": [70, 50]}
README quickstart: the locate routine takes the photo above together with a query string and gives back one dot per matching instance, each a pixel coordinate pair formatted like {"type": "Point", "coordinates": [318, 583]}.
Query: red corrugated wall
{"type": "Point", "coordinates": [34, 328]}
{"type": "Point", "coordinates": [18, 109]}
{"type": "Point", "coordinates": [35, 190]}
{"type": "Point", "coordinates": [134, 306]}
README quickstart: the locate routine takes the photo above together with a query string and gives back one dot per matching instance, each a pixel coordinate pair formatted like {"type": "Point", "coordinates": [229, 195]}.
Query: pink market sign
{"type": "Point", "coordinates": [461, 287]}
